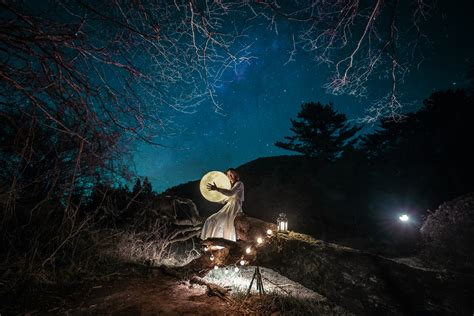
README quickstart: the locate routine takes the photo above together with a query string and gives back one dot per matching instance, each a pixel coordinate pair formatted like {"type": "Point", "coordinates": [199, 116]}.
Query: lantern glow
{"type": "Point", "coordinates": [282, 223]}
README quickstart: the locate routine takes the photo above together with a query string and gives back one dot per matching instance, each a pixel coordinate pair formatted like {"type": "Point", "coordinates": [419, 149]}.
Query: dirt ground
{"type": "Point", "coordinates": [161, 294]}
{"type": "Point", "coordinates": [158, 294]}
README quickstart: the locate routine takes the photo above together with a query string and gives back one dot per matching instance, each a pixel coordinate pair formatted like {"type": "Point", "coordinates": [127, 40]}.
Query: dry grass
{"type": "Point", "coordinates": [282, 295]}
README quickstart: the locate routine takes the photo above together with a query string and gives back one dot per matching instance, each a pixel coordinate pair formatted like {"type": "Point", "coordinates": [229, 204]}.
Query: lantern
{"type": "Point", "coordinates": [282, 223]}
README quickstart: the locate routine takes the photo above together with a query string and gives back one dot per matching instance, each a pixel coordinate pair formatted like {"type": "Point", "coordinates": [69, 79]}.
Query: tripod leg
{"type": "Point", "coordinates": [261, 289]}
{"type": "Point", "coordinates": [251, 283]}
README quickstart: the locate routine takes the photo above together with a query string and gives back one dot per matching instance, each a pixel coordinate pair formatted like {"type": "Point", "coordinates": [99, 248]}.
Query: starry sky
{"type": "Point", "coordinates": [260, 97]}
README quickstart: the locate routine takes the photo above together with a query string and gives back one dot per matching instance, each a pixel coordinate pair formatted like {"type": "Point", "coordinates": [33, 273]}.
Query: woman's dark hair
{"type": "Point", "coordinates": [234, 172]}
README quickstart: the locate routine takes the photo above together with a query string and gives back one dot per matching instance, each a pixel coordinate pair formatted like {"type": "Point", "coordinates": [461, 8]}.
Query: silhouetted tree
{"type": "Point", "coordinates": [426, 158]}
{"type": "Point", "coordinates": [320, 132]}
{"type": "Point", "coordinates": [137, 187]}
{"type": "Point", "coordinates": [146, 187]}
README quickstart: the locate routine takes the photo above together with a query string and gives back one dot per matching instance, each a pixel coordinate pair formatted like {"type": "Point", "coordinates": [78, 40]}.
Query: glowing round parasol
{"type": "Point", "coordinates": [220, 179]}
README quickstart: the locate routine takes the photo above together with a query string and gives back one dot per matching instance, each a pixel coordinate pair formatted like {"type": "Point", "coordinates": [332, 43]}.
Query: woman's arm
{"type": "Point", "coordinates": [236, 188]}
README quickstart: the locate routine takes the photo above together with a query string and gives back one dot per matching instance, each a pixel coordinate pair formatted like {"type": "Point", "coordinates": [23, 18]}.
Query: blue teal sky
{"type": "Point", "coordinates": [260, 97]}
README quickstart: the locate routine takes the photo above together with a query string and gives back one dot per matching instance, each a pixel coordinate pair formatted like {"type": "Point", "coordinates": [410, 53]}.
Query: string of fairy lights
{"type": "Point", "coordinates": [282, 227]}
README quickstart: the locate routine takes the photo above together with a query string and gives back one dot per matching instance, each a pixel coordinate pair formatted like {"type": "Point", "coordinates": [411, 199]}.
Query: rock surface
{"type": "Point", "coordinates": [448, 235]}
{"type": "Point", "coordinates": [362, 283]}
{"type": "Point", "coordinates": [365, 283]}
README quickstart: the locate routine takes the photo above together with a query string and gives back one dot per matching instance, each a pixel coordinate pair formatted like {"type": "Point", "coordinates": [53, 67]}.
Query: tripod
{"type": "Point", "coordinates": [258, 280]}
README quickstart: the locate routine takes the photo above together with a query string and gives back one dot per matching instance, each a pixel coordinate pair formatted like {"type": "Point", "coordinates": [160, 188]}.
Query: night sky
{"type": "Point", "coordinates": [260, 97]}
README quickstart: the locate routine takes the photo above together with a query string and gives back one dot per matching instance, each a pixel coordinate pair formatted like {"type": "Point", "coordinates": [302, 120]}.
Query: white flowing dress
{"type": "Point", "coordinates": [221, 224]}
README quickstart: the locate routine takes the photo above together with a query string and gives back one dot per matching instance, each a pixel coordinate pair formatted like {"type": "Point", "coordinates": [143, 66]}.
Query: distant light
{"type": "Point", "coordinates": [236, 269]}
{"type": "Point", "coordinates": [404, 218]}
{"type": "Point", "coordinates": [248, 250]}
{"type": "Point", "coordinates": [242, 262]}
{"type": "Point", "coordinates": [211, 257]}
{"type": "Point", "coordinates": [216, 267]}
{"type": "Point", "coordinates": [269, 232]}
{"type": "Point", "coordinates": [259, 240]}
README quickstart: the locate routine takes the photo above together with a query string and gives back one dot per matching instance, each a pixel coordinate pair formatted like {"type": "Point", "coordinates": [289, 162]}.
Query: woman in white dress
{"type": "Point", "coordinates": [221, 224]}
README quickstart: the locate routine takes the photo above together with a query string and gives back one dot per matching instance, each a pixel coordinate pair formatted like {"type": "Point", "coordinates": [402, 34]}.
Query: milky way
{"type": "Point", "coordinates": [259, 98]}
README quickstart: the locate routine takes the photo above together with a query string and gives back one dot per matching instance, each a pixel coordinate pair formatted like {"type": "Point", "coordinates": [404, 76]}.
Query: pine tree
{"type": "Point", "coordinates": [320, 132]}
{"type": "Point", "coordinates": [147, 188]}
{"type": "Point", "coordinates": [137, 188]}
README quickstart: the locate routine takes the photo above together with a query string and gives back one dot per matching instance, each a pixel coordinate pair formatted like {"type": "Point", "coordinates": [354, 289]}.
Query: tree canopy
{"type": "Point", "coordinates": [320, 132]}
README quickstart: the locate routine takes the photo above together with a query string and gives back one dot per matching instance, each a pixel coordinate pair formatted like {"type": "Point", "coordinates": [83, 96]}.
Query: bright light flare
{"type": "Point", "coordinates": [404, 218]}
{"type": "Point", "coordinates": [269, 232]}
{"type": "Point", "coordinates": [259, 240]}
{"type": "Point", "coordinates": [242, 262]}
{"type": "Point", "coordinates": [248, 250]}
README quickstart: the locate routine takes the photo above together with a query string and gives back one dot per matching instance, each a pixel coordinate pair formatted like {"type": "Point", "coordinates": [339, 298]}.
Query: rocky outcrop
{"type": "Point", "coordinates": [177, 210]}
{"type": "Point", "coordinates": [365, 283]}
{"type": "Point", "coordinates": [448, 235]}
{"type": "Point", "coordinates": [361, 282]}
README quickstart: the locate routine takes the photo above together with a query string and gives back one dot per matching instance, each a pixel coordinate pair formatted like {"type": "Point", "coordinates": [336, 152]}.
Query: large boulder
{"type": "Point", "coordinates": [365, 283]}
{"type": "Point", "coordinates": [178, 210]}
{"type": "Point", "coordinates": [448, 235]}
{"type": "Point", "coordinates": [361, 282]}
